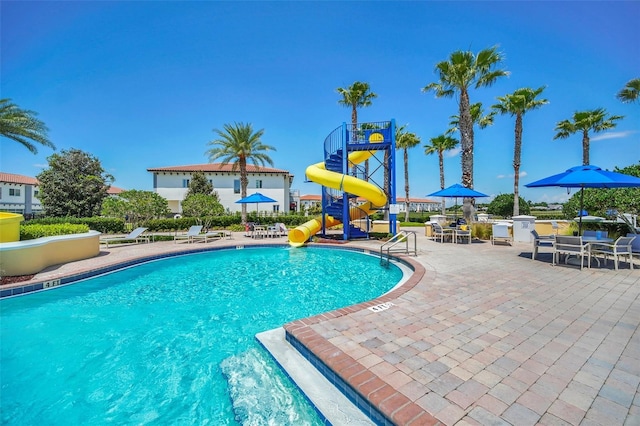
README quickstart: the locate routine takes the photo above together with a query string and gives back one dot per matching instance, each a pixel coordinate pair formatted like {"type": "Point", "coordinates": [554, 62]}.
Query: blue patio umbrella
{"type": "Point", "coordinates": [457, 191]}
{"type": "Point", "coordinates": [256, 198]}
{"type": "Point", "coordinates": [588, 176]}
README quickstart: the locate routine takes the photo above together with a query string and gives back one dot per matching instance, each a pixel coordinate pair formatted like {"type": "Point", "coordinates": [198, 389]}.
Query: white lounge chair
{"type": "Point", "coordinates": [501, 233]}
{"type": "Point", "coordinates": [135, 235]}
{"type": "Point", "coordinates": [193, 231]}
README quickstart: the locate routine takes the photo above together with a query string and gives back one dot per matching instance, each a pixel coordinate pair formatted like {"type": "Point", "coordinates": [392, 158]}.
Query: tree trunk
{"type": "Point", "coordinates": [585, 147]}
{"type": "Point", "coordinates": [441, 163]}
{"type": "Point", "coordinates": [466, 142]}
{"type": "Point", "coordinates": [516, 165]}
{"type": "Point", "coordinates": [406, 184]}
{"type": "Point", "coordinates": [244, 182]}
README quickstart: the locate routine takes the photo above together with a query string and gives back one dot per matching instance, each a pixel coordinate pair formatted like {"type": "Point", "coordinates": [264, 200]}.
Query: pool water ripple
{"type": "Point", "coordinates": [145, 344]}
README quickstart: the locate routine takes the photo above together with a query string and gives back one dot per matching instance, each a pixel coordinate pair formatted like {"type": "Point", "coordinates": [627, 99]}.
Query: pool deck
{"type": "Point", "coordinates": [483, 335]}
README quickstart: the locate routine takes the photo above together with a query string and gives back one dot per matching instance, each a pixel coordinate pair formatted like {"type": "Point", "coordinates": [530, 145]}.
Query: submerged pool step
{"type": "Point", "coordinates": [261, 394]}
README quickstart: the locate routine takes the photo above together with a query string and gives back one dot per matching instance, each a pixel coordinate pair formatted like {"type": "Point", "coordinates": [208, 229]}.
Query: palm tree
{"type": "Point", "coordinates": [457, 75]}
{"type": "Point", "coordinates": [358, 95]}
{"type": "Point", "coordinates": [404, 141]}
{"type": "Point", "coordinates": [439, 145]}
{"type": "Point", "coordinates": [584, 121]}
{"type": "Point", "coordinates": [517, 104]}
{"type": "Point", "coordinates": [631, 91]}
{"type": "Point", "coordinates": [22, 126]}
{"type": "Point", "coordinates": [238, 144]}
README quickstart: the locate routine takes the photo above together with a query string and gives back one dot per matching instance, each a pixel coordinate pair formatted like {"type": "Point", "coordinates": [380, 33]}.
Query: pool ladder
{"type": "Point", "coordinates": [403, 242]}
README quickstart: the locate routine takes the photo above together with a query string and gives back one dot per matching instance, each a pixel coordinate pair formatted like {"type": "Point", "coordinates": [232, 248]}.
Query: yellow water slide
{"type": "Point", "coordinates": [318, 173]}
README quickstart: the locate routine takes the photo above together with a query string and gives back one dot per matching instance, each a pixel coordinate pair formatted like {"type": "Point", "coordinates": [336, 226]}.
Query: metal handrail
{"type": "Point", "coordinates": [394, 245]}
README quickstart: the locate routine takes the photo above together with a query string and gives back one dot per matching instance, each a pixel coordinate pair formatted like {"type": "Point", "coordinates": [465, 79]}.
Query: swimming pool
{"type": "Point", "coordinates": [172, 341]}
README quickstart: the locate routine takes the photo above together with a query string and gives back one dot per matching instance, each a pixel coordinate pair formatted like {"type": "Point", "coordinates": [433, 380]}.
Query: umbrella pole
{"type": "Point", "coordinates": [581, 207]}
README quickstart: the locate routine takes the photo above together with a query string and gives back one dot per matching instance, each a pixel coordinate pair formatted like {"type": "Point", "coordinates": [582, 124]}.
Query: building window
{"type": "Point", "coordinates": [14, 192]}
{"type": "Point", "coordinates": [236, 186]}
{"type": "Point", "coordinates": [258, 183]}
{"type": "Point", "coordinates": [185, 183]}
{"type": "Point", "coordinates": [276, 208]}
{"type": "Point", "coordinates": [36, 193]}
{"type": "Point", "coordinates": [211, 182]}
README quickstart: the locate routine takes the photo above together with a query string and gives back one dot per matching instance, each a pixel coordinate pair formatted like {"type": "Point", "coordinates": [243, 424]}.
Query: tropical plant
{"type": "Point", "coordinates": [199, 185]}
{"type": "Point", "coordinates": [358, 95]}
{"type": "Point", "coordinates": [517, 104]}
{"type": "Point", "coordinates": [502, 205]}
{"type": "Point", "coordinates": [439, 145]}
{"type": "Point", "coordinates": [239, 145]}
{"type": "Point", "coordinates": [74, 184]}
{"type": "Point", "coordinates": [136, 206]}
{"type": "Point", "coordinates": [202, 207]}
{"type": "Point", "coordinates": [406, 140]}
{"type": "Point", "coordinates": [596, 120]}
{"type": "Point", "coordinates": [457, 75]}
{"type": "Point", "coordinates": [631, 91]}
{"type": "Point", "coordinates": [22, 126]}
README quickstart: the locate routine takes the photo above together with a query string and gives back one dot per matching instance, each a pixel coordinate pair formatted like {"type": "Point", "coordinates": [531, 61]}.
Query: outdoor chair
{"type": "Point", "coordinates": [554, 227]}
{"type": "Point", "coordinates": [135, 235]}
{"type": "Point", "coordinates": [442, 233]}
{"type": "Point", "coordinates": [193, 231]}
{"type": "Point", "coordinates": [620, 248]}
{"type": "Point", "coordinates": [635, 245]}
{"type": "Point", "coordinates": [541, 241]}
{"type": "Point", "coordinates": [501, 233]}
{"type": "Point", "coordinates": [570, 246]}
{"type": "Point", "coordinates": [462, 232]}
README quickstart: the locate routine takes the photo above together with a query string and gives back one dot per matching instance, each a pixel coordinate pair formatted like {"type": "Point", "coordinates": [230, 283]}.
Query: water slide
{"type": "Point", "coordinates": [318, 173]}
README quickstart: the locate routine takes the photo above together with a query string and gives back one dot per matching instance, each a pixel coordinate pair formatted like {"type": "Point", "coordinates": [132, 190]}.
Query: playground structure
{"type": "Point", "coordinates": [359, 162]}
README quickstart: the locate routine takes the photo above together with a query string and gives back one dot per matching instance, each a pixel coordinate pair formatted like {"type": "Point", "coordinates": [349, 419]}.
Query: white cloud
{"type": "Point", "coordinates": [452, 152]}
{"type": "Point", "coordinates": [522, 174]}
{"type": "Point", "coordinates": [612, 135]}
{"type": "Point", "coordinates": [501, 176]}
{"type": "Point", "coordinates": [41, 166]}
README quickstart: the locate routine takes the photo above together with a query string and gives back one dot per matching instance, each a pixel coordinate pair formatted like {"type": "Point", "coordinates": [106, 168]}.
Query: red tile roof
{"type": "Point", "coordinates": [214, 167]}
{"type": "Point", "coordinates": [311, 197]}
{"type": "Point", "coordinates": [113, 190]}
{"type": "Point", "coordinates": [20, 179]}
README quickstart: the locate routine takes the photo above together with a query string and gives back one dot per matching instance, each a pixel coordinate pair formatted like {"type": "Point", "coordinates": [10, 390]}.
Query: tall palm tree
{"type": "Point", "coordinates": [631, 91]}
{"type": "Point", "coordinates": [517, 104]}
{"type": "Point", "coordinates": [439, 145]}
{"type": "Point", "coordinates": [239, 145]}
{"type": "Point", "coordinates": [22, 126]}
{"type": "Point", "coordinates": [358, 95]}
{"type": "Point", "coordinates": [406, 140]}
{"type": "Point", "coordinates": [596, 120]}
{"type": "Point", "coordinates": [457, 75]}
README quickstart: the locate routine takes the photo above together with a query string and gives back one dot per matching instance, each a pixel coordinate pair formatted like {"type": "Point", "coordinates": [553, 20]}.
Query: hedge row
{"type": "Point", "coordinates": [106, 225]}
{"type": "Point", "coordinates": [31, 231]}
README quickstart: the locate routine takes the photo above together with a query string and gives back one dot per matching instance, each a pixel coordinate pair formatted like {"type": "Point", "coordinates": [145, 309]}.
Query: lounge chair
{"type": "Point", "coordinates": [500, 232]}
{"type": "Point", "coordinates": [541, 241]}
{"type": "Point", "coordinates": [135, 235]}
{"type": "Point", "coordinates": [193, 231]}
{"type": "Point", "coordinates": [620, 248]}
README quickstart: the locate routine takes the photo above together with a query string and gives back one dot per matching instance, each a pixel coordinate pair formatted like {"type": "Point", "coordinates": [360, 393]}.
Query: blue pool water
{"type": "Point", "coordinates": [172, 341]}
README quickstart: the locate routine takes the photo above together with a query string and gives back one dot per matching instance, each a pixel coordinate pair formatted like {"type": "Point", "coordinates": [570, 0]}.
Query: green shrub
{"type": "Point", "coordinates": [106, 225]}
{"type": "Point", "coordinates": [31, 231]}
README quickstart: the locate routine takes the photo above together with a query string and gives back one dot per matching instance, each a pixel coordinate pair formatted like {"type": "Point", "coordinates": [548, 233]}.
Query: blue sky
{"type": "Point", "coordinates": [142, 84]}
